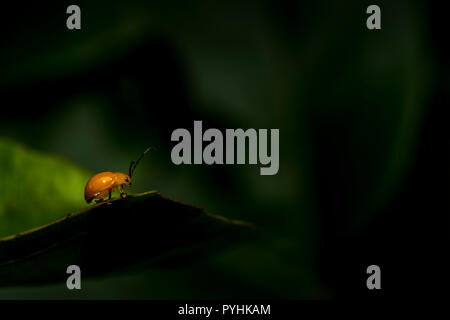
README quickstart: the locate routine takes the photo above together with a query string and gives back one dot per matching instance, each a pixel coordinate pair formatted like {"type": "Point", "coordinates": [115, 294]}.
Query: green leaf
{"type": "Point", "coordinates": [139, 231]}
{"type": "Point", "coordinates": [36, 187]}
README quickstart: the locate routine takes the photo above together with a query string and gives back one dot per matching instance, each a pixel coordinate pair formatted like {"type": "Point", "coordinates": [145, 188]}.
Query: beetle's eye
{"type": "Point", "coordinates": [126, 179]}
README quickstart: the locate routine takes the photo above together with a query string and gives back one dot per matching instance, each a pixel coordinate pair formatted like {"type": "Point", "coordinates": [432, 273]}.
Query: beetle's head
{"type": "Point", "coordinates": [122, 178]}
{"type": "Point", "coordinates": [127, 180]}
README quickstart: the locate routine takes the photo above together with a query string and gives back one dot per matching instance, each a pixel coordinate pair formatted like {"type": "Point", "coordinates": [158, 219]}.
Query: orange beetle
{"type": "Point", "coordinates": [103, 184]}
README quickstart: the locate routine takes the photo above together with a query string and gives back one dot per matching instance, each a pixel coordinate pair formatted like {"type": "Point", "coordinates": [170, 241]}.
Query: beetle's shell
{"type": "Point", "coordinates": [99, 186]}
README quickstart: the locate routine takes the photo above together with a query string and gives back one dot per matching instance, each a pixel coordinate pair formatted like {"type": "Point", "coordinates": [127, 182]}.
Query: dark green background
{"type": "Point", "coordinates": [363, 160]}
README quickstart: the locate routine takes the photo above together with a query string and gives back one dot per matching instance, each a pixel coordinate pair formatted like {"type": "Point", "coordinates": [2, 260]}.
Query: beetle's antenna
{"type": "Point", "coordinates": [130, 170]}
{"type": "Point", "coordinates": [133, 164]}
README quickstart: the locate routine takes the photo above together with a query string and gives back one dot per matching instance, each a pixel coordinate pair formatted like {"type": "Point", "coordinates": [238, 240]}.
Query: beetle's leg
{"type": "Point", "coordinates": [122, 193]}
{"type": "Point", "coordinates": [109, 198]}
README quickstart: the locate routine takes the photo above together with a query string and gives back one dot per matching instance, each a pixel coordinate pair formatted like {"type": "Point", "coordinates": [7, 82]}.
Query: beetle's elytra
{"type": "Point", "coordinates": [103, 184]}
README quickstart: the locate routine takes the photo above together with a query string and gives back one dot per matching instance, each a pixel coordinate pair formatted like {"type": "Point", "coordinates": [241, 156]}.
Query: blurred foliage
{"type": "Point", "coordinates": [36, 187]}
